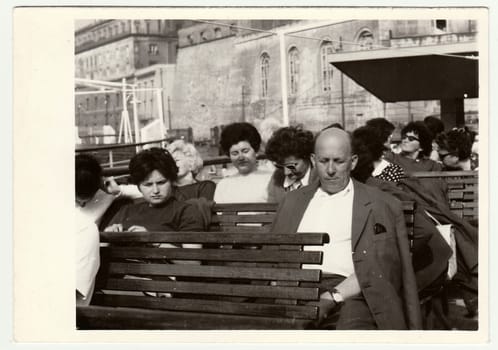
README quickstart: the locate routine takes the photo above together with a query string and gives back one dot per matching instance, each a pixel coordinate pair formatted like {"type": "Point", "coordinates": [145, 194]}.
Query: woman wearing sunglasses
{"type": "Point", "coordinates": [416, 146]}
{"type": "Point", "coordinates": [455, 148]}
{"type": "Point", "coordinates": [289, 149]}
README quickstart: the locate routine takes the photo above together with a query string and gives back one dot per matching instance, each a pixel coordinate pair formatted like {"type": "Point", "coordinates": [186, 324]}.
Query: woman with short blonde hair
{"type": "Point", "coordinates": [189, 163]}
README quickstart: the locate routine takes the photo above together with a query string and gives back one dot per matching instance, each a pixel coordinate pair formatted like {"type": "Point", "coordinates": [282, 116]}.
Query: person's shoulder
{"type": "Point", "coordinates": [263, 173]}
{"type": "Point", "coordinates": [206, 183]}
{"type": "Point", "coordinates": [376, 195]}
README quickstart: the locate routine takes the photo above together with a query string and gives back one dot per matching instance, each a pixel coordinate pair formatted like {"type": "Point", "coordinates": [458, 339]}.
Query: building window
{"type": "Point", "coordinates": [265, 69]}
{"type": "Point", "coordinates": [326, 68]}
{"type": "Point", "coordinates": [204, 35]}
{"type": "Point", "coordinates": [159, 26]}
{"type": "Point", "coordinates": [365, 40]}
{"type": "Point", "coordinates": [153, 50]}
{"type": "Point", "coordinates": [441, 24]}
{"type": "Point", "coordinates": [190, 39]}
{"type": "Point", "coordinates": [217, 32]}
{"type": "Point", "coordinates": [293, 70]}
{"type": "Point", "coordinates": [137, 26]}
{"type": "Point", "coordinates": [147, 26]}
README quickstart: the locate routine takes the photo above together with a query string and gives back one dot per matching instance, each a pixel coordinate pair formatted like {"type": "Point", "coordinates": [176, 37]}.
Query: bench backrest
{"type": "Point", "coordinates": [233, 217]}
{"type": "Point", "coordinates": [231, 268]}
{"type": "Point", "coordinates": [463, 191]}
{"type": "Point", "coordinates": [243, 217]}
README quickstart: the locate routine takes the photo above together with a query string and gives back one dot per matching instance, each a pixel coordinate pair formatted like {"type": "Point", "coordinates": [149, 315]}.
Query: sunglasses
{"type": "Point", "coordinates": [443, 155]}
{"type": "Point", "coordinates": [289, 166]}
{"type": "Point", "coordinates": [410, 138]}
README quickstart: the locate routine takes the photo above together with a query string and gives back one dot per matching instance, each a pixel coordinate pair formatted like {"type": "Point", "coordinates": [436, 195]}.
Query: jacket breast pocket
{"type": "Point", "coordinates": [383, 236]}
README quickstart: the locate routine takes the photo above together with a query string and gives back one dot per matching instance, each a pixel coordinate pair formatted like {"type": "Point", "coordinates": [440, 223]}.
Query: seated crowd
{"type": "Point", "coordinates": [346, 184]}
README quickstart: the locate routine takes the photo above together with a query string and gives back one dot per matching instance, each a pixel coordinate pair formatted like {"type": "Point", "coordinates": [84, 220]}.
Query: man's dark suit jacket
{"type": "Point", "coordinates": [381, 260]}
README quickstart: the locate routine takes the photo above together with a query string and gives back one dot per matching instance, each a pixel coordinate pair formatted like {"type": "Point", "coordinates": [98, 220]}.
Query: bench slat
{"type": "Point", "coordinates": [209, 306]}
{"type": "Point", "coordinates": [245, 207]}
{"type": "Point", "coordinates": [248, 218]}
{"type": "Point", "coordinates": [177, 270]}
{"type": "Point", "coordinates": [242, 255]}
{"type": "Point", "coordinates": [215, 237]}
{"type": "Point", "coordinates": [444, 174]}
{"type": "Point", "coordinates": [239, 229]}
{"type": "Point", "coordinates": [99, 317]}
{"type": "Point", "coordinates": [222, 289]}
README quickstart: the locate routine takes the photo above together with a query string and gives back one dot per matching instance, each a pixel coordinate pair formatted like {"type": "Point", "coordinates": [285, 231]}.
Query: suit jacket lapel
{"type": "Point", "coordinates": [301, 204]}
{"type": "Point", "coordinates": [361, 211]}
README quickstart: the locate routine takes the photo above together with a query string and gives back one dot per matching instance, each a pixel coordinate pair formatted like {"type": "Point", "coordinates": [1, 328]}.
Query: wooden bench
{"type": "Point", "coordinates": [463, 191]}
{"type": "Point", "coordinates": [238, 285]}
{"type": "Point", "coordinates": [214, 295]}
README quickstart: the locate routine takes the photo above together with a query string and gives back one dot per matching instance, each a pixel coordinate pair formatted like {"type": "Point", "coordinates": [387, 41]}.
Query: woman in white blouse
{"type": "Point", "coordinates": [241, 142]}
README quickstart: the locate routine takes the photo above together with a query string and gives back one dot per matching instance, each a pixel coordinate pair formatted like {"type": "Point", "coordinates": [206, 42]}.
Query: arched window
{"type": "Point", "coordinates": [366, 40]}
{"type": "Point", "coordinates": [217, 32]}
{"type": "Point", "coordinates": [293, 70]}
{"type": "Point", "coordinates": [265, 69]}
{"type": "Point", "coordinates": [326, 49]}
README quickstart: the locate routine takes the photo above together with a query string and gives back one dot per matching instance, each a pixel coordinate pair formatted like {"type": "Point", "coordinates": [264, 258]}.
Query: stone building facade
{"type": "Point", "coordinates": [141, 51]}
{"type": "Point", "coordinates": [235, 75]}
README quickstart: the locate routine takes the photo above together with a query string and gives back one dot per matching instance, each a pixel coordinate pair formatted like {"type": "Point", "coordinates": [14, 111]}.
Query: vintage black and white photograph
{"type": "Point", "coordinates": [277, 174]}
{"type": "Point", "coordinates": [242, 171]}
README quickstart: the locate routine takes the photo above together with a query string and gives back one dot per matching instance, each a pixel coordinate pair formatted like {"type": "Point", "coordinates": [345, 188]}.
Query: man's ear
{"type": "Point", "coordinates": [313, 160]}
{"type": "Point", "coordinates": [354, 161]}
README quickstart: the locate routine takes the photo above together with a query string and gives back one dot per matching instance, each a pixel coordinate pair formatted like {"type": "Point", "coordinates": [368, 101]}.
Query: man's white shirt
{"type": "Point", "coordinates": [333, 214]}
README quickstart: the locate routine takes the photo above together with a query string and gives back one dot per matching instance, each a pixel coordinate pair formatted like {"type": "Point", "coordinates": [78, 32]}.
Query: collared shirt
{"type": "Point", "coordinates": [301, 182]}
{"type": "Point", "coordinates": [87, 253]}
{"type": "Point", "coordinates": [333, 214]}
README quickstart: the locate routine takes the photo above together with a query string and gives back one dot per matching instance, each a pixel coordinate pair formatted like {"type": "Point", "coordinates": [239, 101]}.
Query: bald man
{"type": "Point", "coordinates": [368, 280]}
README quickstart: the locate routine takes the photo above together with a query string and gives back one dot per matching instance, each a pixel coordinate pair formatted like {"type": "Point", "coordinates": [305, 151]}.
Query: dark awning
{"type": "Point", "coordinates": [410, 74]}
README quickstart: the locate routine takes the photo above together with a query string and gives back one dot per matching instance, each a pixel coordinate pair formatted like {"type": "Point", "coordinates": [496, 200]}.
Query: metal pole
{"type": "Point", "coordinates": [343, 109]}
{"type": "Point", "coordinates": [243, 109]}
{"type": "Point", "coordinates": [124, 112]}
{"type": "Point", "coordinates": [169, 114]}
{"type": "Point", "coordinates": [135, 115]}
{"type": "Point", "coordinates": [283, 79]}
{"type": "Point", "coordinates": [159, 99]}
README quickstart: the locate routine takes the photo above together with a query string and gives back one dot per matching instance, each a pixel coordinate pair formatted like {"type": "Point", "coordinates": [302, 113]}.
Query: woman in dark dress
{"type": "Point", "coordinates": [154, 171]}
{"type": "Point", "coordinates": [382, 169]}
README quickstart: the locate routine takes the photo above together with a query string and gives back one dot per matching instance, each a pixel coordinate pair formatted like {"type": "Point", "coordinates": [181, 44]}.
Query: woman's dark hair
{"type": "Point", "coordinates": [457, 142]}
{"type": "Point", "coordinates": [423, 133]}
{"type": "Point", "coordinates": [88, 175]}
{"type": "Point", "coordinates": [435, 125]}
{"type": "Point", "coordinates": [360, 147]}
{"type": "Point", "coordinates": [237, 132]}
{"type": "Point", "coordinates": [149, 160]}
{"type": "Point", "coordinates": [382, 127]}
{"type": "Point", "coordinates": [369, 137]}
{"type": "Point", "coordinates": [289, 141]}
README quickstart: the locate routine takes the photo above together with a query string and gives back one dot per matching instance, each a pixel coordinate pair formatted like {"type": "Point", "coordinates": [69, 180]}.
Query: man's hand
{"type": "Point", "coordinates": [136, 228]}
{"type": "Point", "coordinates": [114, 228]}
{"type": "Point", "coordinates": [111, 186]}
{"type": "Point", "coordinates": [326, 306]}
